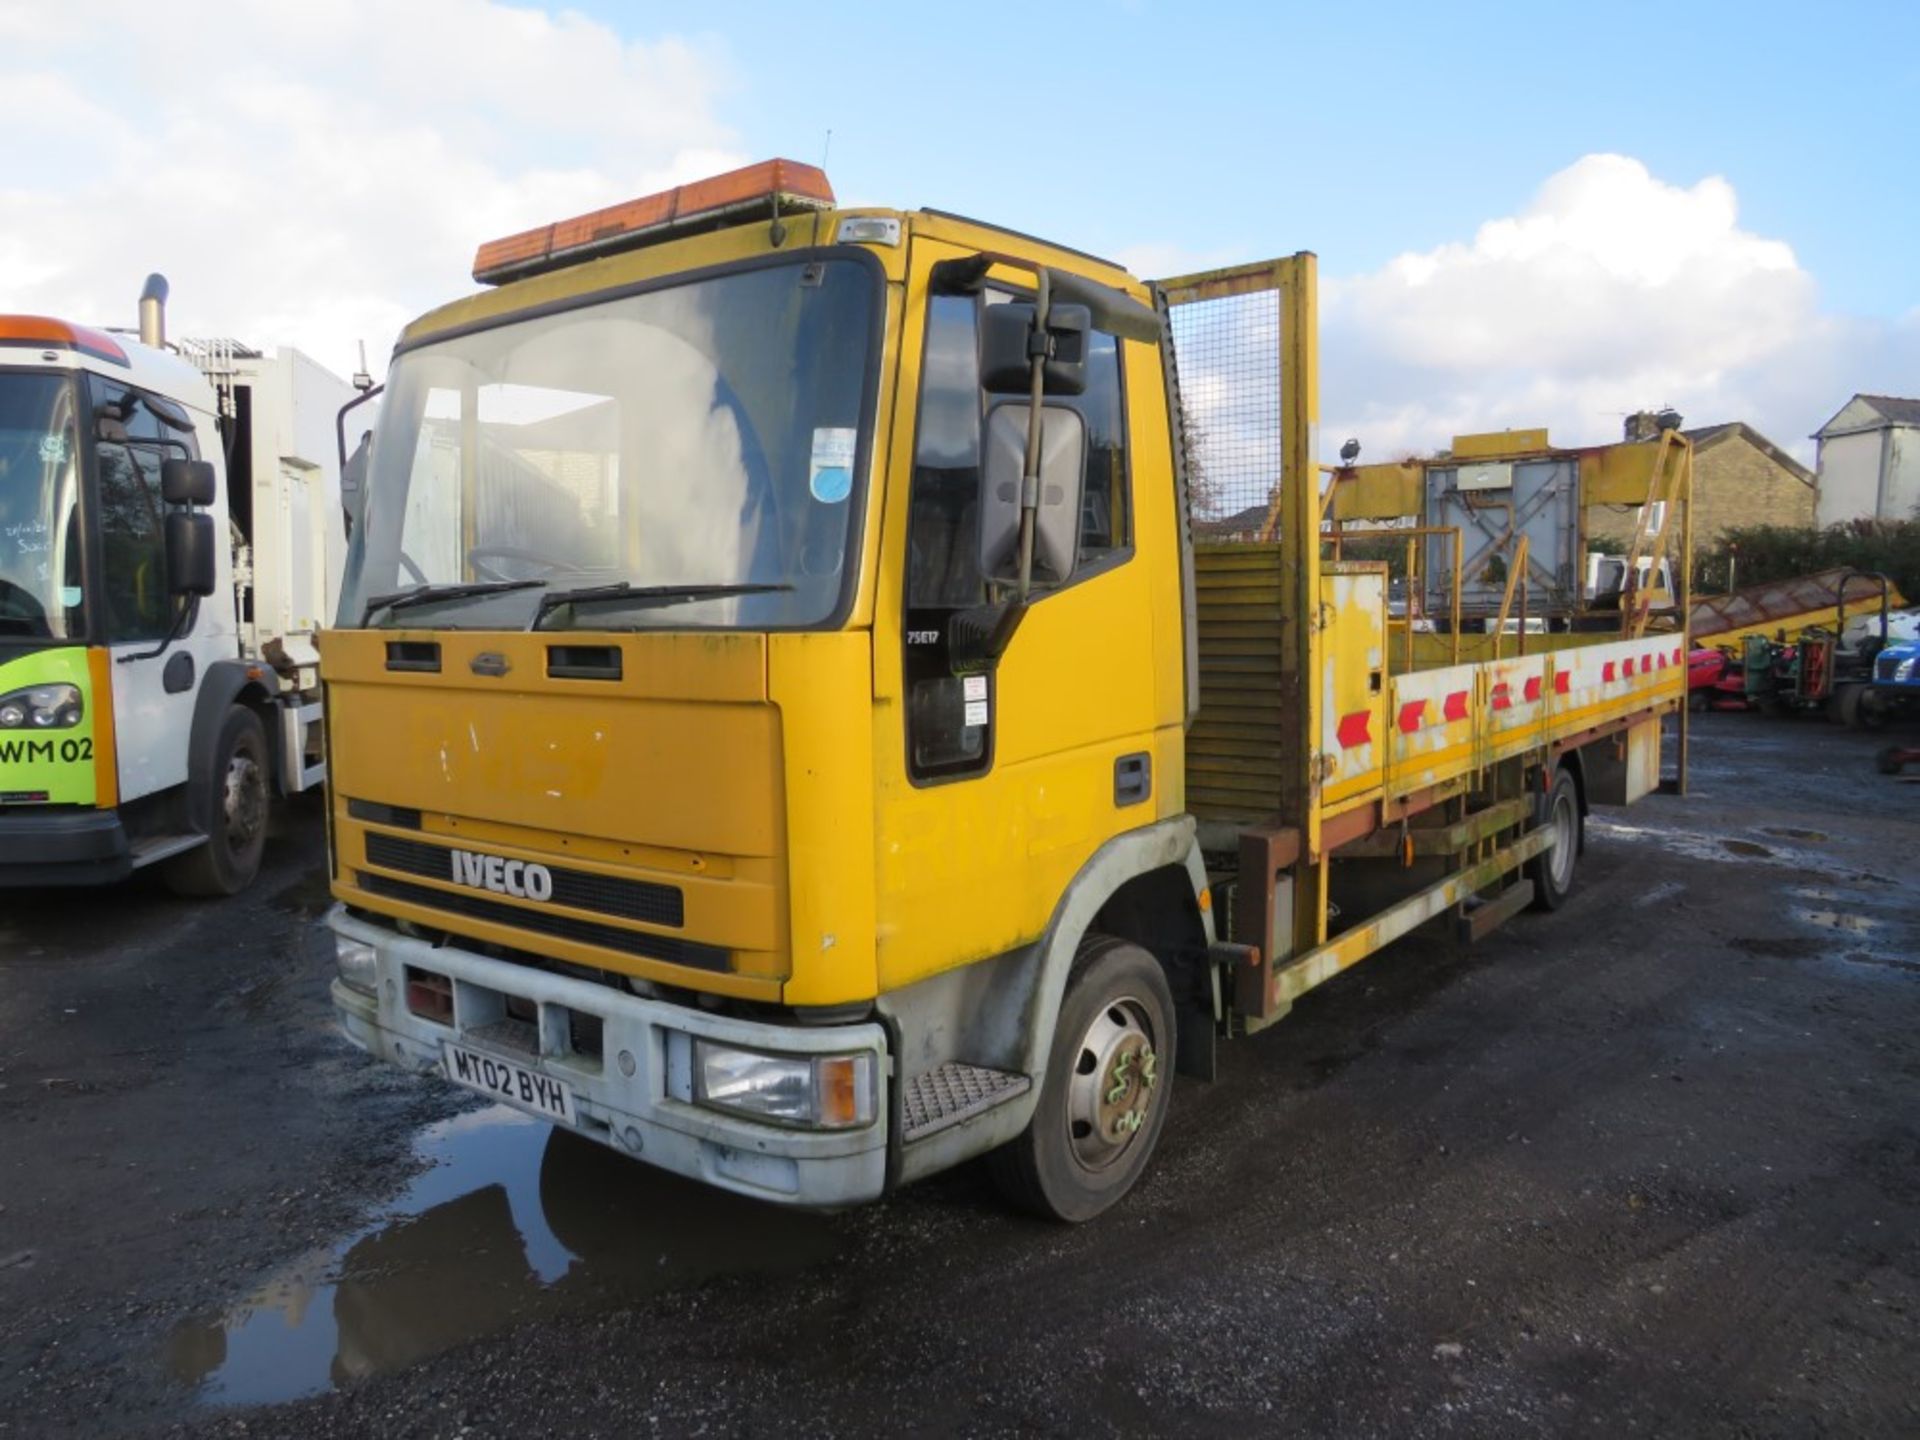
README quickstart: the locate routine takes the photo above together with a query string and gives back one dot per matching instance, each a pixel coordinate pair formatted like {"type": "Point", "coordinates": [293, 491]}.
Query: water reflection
{"type": "Point", "coordinates": [513, 1222]}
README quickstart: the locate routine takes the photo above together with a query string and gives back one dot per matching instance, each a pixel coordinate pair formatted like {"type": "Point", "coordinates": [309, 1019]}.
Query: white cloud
{"type": "Point", "coordinates": [1611, 291]}
{"type": "Point", "coordinates": [316, 175]}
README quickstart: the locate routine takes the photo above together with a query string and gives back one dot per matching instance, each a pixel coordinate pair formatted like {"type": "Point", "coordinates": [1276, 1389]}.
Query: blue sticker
{"type": "Point", "coordinates": [830, 469]}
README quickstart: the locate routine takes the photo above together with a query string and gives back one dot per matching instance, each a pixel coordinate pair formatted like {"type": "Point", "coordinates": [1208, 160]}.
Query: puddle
{"type": "Point", "coordinates": [1844, 920]}
{"type": "Point", "coordinates": [1702, 845]}
{"type": "Point", "coordinates": [513, 1221]}
{"type": "Point", "coordinates": [1666, 890]}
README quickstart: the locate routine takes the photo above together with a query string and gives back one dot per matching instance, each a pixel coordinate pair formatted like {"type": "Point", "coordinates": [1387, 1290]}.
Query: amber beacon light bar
{"type": "Point", "coordinates": [771, 188]}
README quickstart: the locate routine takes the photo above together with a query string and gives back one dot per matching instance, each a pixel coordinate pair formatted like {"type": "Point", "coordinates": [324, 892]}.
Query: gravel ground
{"type": "Point", "coordinates": [1650, 1165]}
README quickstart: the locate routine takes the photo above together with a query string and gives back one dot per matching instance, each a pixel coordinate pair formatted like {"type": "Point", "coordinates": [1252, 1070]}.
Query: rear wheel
{"type": "Point", "coordinates": [1552, 872]}
{"type": "Point", "coordinates": [237, 835]}
{"type": "Point", "coordinates": [1108, 1083]}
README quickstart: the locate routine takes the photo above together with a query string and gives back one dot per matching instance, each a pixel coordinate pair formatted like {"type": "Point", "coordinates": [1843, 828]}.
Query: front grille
{"type": "Point", "coordinates": [606, 895]}
{"type": "Point", "coordinates": [1885, 666]}
{"type": "Point", "coordinates": [546, 922]}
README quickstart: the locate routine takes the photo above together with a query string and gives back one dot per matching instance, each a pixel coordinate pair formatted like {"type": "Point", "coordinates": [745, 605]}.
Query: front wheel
{"type": "Point", "coordinates": [237, 834]}
{"type": "Point", "coordinates": [1863, 708]}
{"type": "Point", "coordinates": [1552, 872]}
{"type": "Point", "coordinates": [1108, 1083]}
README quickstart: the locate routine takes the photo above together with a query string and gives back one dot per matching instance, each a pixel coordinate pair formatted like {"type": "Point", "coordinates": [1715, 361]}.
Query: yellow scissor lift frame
{"type": "Point", "coordinates": [1319, 740]}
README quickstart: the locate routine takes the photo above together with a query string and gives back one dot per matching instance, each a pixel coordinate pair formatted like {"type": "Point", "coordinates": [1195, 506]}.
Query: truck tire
{"type": "Point", "coordinates": [1552, 873]}
{"type": "Point", "coordinates": [1104, 1099]}
{"type": "Point", "coordinates": [227, 863]}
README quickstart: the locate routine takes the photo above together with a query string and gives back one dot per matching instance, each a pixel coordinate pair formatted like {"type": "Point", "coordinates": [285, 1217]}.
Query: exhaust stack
{"type": "Point", "coordinates": [153, 312]}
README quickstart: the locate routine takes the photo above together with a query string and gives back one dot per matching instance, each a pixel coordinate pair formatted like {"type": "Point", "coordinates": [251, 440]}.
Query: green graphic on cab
{"type": "Point", "coordinates": [46, 729]}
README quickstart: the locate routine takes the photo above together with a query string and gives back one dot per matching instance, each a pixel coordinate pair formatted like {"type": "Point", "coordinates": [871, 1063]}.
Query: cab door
{"type": "Point", "coordinates": [153, 694]}
{"type": "Point", "coordinates": [994, 790]}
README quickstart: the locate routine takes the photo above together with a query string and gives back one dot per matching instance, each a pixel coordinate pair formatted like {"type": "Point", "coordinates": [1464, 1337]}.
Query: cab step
{"type": "Point", "coordinates": [949, 1093]}
{"type": "Point", "coordinates": [150, 849]}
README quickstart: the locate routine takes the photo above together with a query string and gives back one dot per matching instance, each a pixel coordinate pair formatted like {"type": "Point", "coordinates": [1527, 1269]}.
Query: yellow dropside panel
{"type": "Point", "coordinates": [1353, 663]}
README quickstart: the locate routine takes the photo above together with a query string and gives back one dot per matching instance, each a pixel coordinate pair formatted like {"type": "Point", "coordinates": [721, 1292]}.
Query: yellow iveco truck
{"type": "Point", "coordinates": [789, 722]}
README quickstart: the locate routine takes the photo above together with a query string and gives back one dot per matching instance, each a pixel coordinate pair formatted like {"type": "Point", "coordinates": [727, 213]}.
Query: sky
{"type": "Point", "coordinates": [1538, 214]}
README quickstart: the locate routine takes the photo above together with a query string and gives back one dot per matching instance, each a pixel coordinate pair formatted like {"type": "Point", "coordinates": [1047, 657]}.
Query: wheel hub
{"type": "Point", "coordinates": [1565, 842]}
{"type": "Point", "coordinates": [1116, 1072]}
{"type": "Point", "coordinates": [243, 801]}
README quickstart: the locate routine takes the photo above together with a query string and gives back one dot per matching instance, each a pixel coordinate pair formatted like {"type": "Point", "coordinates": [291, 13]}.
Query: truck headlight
{"type": "Point", "coordinates": [827, 1092]}
{"type": "Point", "coordinates": [359, 964]}
{"type": "Point", "coordinates": [42, 707]}
{"type": "Point", "coordinates": [1903, 672]}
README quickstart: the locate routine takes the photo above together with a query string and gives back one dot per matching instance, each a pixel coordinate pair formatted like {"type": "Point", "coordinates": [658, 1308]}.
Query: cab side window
{"type": "Point", "coordinates": [132, 535]}
{"type": "Point", "coordinates": [949, 720]}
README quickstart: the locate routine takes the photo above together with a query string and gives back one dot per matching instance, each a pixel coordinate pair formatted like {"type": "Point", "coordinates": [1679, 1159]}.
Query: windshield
{"type": "Point", "coordinates": [40, 591]}
{"type": "Point", "coordinates": [697, 445]}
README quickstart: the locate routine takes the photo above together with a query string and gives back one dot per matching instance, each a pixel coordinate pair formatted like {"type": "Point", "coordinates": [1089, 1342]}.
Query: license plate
{"type": "Point", "coordinates": [509, 1083]}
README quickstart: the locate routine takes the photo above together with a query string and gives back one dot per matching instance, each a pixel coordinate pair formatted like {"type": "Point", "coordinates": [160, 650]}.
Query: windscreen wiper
{"type": "Point", "coordinates": [421, 594]}
{"type": "Point", "coordinates": [644, 595]}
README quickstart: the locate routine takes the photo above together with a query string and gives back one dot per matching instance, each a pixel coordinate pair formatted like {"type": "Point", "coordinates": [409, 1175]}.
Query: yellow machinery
{"type": "Point", "coordinates": [781, 724]}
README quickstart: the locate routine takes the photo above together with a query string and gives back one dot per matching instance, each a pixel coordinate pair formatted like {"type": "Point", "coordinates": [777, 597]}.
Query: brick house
{"type": "Point", "coordinates": [1739, 478]}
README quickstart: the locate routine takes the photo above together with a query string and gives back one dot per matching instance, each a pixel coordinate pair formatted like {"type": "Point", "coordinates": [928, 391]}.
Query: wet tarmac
{"type": "Point", "coordinates": [509, 1221]}
{"type": "Point", "coordinates": [1646, 1166]}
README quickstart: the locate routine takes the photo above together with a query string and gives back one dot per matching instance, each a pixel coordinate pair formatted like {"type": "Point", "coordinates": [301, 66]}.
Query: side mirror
{"type": "Point", "coordinates": [1006, 363]}
{"type": "Point", "coordinates": [190, 553]}
{"type": "Point", "coordinates": [1063, 475]}
{"type": "Point", "coordinates": [186, 482]}
{"type": "Point", "coordinates": [353, 482]}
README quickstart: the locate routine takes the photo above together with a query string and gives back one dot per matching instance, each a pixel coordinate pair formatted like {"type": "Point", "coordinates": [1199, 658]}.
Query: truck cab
{"type": "Point", "coordinates": [641, 691]}
{"type": "Point", "coordinates": [141, 722]}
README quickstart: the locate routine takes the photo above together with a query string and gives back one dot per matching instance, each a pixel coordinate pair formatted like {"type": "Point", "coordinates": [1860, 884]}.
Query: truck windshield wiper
{"type": "Point", "coordinates": [421, 594]}
{"type": "Point", "coordinates": [646, 596]}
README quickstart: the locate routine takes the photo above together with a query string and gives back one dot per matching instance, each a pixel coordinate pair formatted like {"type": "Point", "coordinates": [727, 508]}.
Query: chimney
{"type": "Point", "coordinates": [153, 312]}
{"type": "Point", "coordinates": [1647, 424]}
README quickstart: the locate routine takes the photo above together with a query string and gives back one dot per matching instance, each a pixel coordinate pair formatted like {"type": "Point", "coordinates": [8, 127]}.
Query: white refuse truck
{"type": "Point", "coordinates": [171, 537]}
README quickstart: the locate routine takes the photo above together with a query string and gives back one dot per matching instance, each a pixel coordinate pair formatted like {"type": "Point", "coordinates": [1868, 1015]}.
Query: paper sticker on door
{"type": "Point", "coordinates": [830, 468]}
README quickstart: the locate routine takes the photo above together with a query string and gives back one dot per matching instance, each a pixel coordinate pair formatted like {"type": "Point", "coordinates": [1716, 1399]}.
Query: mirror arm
{"type": "Point", "coordinates": [1036, 403]}
{"type": "Point", "coordinates": [182, 622]}
{"type": "Point", "coordinates": [340, 420]}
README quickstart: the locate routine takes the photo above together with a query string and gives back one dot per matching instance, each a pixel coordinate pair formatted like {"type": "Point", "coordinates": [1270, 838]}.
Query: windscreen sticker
{"type": "Point", "coordinates": [830, 472]}
{"type": "Point", "coordinates": [53, 450]}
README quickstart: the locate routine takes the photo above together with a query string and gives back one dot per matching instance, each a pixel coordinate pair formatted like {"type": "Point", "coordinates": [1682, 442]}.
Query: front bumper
{"type": "Point", "coordinates": [621, 1097]}
{"type": "Point", "coordinates": [62, 845]}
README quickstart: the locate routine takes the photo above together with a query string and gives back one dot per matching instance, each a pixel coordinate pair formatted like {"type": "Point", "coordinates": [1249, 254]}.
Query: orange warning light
{"type": "Point", "coordinates": [766, 188]}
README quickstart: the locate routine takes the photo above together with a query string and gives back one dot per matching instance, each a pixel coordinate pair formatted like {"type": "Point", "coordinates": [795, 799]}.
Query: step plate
{"type": "Point", "coordinates": [953, 1092]}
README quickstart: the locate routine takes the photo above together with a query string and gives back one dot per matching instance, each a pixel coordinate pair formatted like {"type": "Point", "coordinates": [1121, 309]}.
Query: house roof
{"type": "Point", "coordinates": [1891, 410]}
{"type": "Point", "coordinates": [1241, 522]}
{"type": "Point", "coordinates": [1706, 436]}
{"type": "Point", "coordinates": [1900, 411]}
